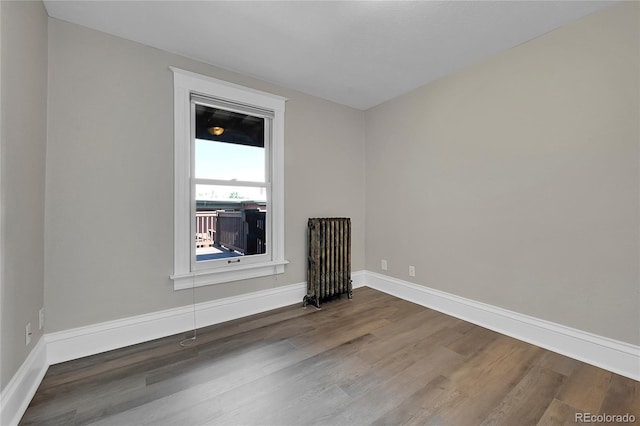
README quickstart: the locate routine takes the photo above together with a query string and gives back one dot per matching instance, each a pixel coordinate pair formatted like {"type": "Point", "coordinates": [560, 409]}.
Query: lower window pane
{"type": "Point", "coordinates": [230, 221]}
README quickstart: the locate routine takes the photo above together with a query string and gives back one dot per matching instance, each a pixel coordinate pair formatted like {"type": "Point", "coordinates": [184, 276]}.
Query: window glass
{"type": "Point", "coordinates": [225, 161]}
{"type": "Point", "coordinates": [229, 145]}
{"type": "Point", "coordinates": [229, 184]}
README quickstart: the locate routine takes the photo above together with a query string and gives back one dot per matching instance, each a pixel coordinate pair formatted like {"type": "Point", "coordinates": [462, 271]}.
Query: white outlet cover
{"type": "Point", "coordinates": [384, 265]}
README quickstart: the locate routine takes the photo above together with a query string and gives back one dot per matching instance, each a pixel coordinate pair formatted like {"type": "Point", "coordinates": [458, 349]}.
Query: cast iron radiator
{"type": "Point", "coordinates": [329, 272]}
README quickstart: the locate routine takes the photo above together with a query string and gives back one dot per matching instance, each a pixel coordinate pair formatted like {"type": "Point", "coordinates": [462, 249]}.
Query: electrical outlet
{"type": "Point", "coordinates": [384, 265]}
{"type": "Point", "coordinates": [41, 319]}
{"type": "Point", "coordinates": [412, 271]}
{"type": "Point", "coordinates": [27, 334]}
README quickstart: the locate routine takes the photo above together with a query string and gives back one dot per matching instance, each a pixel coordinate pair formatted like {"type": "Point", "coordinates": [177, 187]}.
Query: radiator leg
{"type": "Point", "coordinates": [313, 300]}
{"type": "Point", "coordinates": [350, 293]}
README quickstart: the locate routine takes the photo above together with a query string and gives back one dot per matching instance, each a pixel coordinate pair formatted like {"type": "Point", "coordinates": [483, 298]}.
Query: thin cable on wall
{"type": "Point", "coordinates": [191, 340]}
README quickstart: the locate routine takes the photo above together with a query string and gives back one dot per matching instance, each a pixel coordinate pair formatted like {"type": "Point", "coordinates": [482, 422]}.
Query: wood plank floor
{"type": "Point", "coordinates": [373, 360]}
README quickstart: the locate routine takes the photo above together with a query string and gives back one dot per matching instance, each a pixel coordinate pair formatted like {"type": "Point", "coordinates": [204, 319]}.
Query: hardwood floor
{"type": "Point", "coordinates": [373, 360]}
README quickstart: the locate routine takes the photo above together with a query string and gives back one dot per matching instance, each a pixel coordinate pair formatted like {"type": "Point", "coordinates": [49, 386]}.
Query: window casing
{"type": "Point", "coordinates": [191, 89]}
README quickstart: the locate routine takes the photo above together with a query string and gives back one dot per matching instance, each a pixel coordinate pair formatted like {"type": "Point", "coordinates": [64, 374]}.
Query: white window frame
{"type": "Point", "coordinates": [185, 274]}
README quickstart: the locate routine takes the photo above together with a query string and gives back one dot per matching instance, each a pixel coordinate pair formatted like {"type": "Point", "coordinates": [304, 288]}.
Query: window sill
{"type": "Point", "coordinates": [227, 274]}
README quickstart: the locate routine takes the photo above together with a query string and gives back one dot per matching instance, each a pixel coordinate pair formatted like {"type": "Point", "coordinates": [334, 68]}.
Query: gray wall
{"type": "Point", "coordinates": [515, 182]}
{"type": "Point", "coordinates": [23, 147]}
{"type": "Point", "coordinates": [109, 208]}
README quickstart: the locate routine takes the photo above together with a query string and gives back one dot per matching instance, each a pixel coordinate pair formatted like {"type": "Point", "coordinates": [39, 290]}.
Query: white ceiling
{"type": "Point", "coordinates": [357, 53]}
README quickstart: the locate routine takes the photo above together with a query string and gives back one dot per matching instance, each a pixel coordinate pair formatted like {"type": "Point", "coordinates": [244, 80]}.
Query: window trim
{"type": "Point", "coordinates": [185, 83]}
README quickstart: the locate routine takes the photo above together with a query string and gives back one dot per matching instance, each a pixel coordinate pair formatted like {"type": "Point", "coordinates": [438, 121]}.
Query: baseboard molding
{"type": "Point", "coordinates": [93, 339]}
{"type": "Point", "coordinates": [616, 356]}
{"type": "Point", "coordinates": [90, 340]}
{"type": "Point", "coordinates": [16, 396]}
{"type": "Point", "coordinates": [359, 279]}
{"type": "Point", "coordinates": [53, 348]}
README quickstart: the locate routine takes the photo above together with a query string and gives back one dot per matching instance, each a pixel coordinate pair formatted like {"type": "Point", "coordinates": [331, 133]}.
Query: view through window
{"type": "Point", "coordinates": [230, 182]}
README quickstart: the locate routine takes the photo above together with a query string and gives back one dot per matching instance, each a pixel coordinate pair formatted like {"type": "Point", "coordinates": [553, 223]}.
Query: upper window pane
{"type": "Point", "coordinates": [229, 145]}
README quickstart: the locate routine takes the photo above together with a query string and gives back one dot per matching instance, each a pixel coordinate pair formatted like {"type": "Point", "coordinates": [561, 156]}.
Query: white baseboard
{"type": "Point", "coordinates": [613, 355]}
{"type": "Point", "coordinates": [16, 396]}
{"type": "Point", "coordinates": [93, 339]}
{"type": "Point", "coordinates": [53, 348]}
{"type": "Point", "coordinates": [359, 279]}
